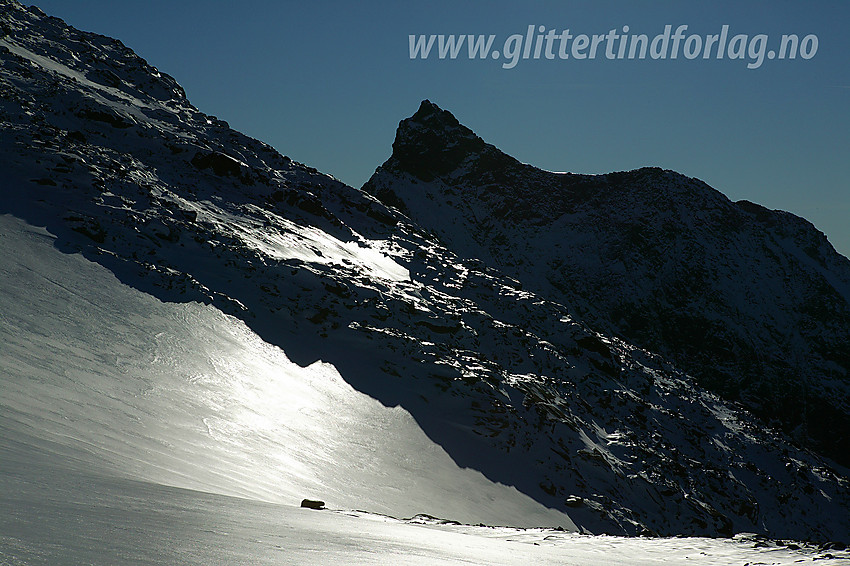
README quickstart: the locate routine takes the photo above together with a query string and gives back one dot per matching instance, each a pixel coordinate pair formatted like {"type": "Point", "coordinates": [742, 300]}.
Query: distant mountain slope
{"type": "Point", "coordinates": [754, 303]}
{"type": "Point", "coordinates": [106, 153]}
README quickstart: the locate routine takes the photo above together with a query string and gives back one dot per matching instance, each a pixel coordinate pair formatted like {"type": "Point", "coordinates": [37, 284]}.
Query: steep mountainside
{"type": "Point", "coordinates": [107, 153]}
{"type": "Point", "coordinates": [754, 303]}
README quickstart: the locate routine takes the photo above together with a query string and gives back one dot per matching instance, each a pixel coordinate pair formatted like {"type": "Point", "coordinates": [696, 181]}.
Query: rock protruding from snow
{"type": "Point", "coordinates": [312, 504]}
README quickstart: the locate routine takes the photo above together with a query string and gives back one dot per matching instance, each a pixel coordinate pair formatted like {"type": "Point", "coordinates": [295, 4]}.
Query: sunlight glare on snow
{"type": "Point", "coordinates": [180, 394]}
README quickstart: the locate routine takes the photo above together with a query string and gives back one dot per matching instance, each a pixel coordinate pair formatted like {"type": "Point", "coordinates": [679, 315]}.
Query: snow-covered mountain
{"type": "Point", "coordinates": [528, 414]}
{"type": "Point", "coordinates": [754, 303]}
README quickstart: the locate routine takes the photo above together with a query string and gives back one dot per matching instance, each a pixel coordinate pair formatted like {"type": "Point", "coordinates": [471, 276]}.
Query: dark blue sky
{"type": "Point", "coordinates": [327, 82]}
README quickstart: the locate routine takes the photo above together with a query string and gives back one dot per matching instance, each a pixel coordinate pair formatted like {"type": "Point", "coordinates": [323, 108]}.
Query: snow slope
{"type": "Point", "coordinates": [93, 439]}
{"type": "Point", "coordinates": [50, 515]}
{"type": "Point", "coordinates": [183, 395]}
{"type": "Point", "coordinates": [280, 325]}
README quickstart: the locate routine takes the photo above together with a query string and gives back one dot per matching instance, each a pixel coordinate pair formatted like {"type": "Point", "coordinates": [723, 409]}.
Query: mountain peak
{"type": "Point", "coordinates": [433, 142]}
{"type": "Point", "coordinates": [432, 116]}
{"type": "Point", "coordinates": [658, 258]}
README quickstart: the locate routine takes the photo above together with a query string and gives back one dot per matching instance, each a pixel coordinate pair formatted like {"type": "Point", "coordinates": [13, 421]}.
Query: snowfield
{"type": "Point", "coordinates": [52, 516]}
{"type": "Point", "coordinates": [171, 434]}
{"type": "Point", "coordinates": [183, 395]}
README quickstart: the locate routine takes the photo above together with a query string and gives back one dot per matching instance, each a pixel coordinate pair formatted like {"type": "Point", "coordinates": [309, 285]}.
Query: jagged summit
{"type": "Point", "coordinates": [432, 146]}
{"type": "Point", "coordinates": [755, 303]}
{"type": "Point", "coordinates": [432, 116]}
{"type": "Point", "coordinates": [432, 143]}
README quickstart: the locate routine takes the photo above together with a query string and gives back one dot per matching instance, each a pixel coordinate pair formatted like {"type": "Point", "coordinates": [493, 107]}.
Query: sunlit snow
{"type": "Point", "coordinates": [104, 386]}
{"type": "Point", "coordinates": [183, 395]}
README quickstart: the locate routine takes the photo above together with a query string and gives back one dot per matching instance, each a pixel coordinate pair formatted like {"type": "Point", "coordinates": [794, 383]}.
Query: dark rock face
{"type": "Point", "coordinates": [220, 163]}
{"type": "Point", "coordinates": [435, 143]}
{"type": "Point", "coordinates": [754, 303]}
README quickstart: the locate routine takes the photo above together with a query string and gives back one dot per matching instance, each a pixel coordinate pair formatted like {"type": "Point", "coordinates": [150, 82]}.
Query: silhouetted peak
{"type": "Point", "coordinates": [433, 142]}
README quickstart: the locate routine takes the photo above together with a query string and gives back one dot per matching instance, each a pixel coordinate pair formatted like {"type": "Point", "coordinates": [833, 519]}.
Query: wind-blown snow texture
{"type": "Point", "coordinates": [179, 394]}
{"type": "Point", "coordinates": [108, 154]}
